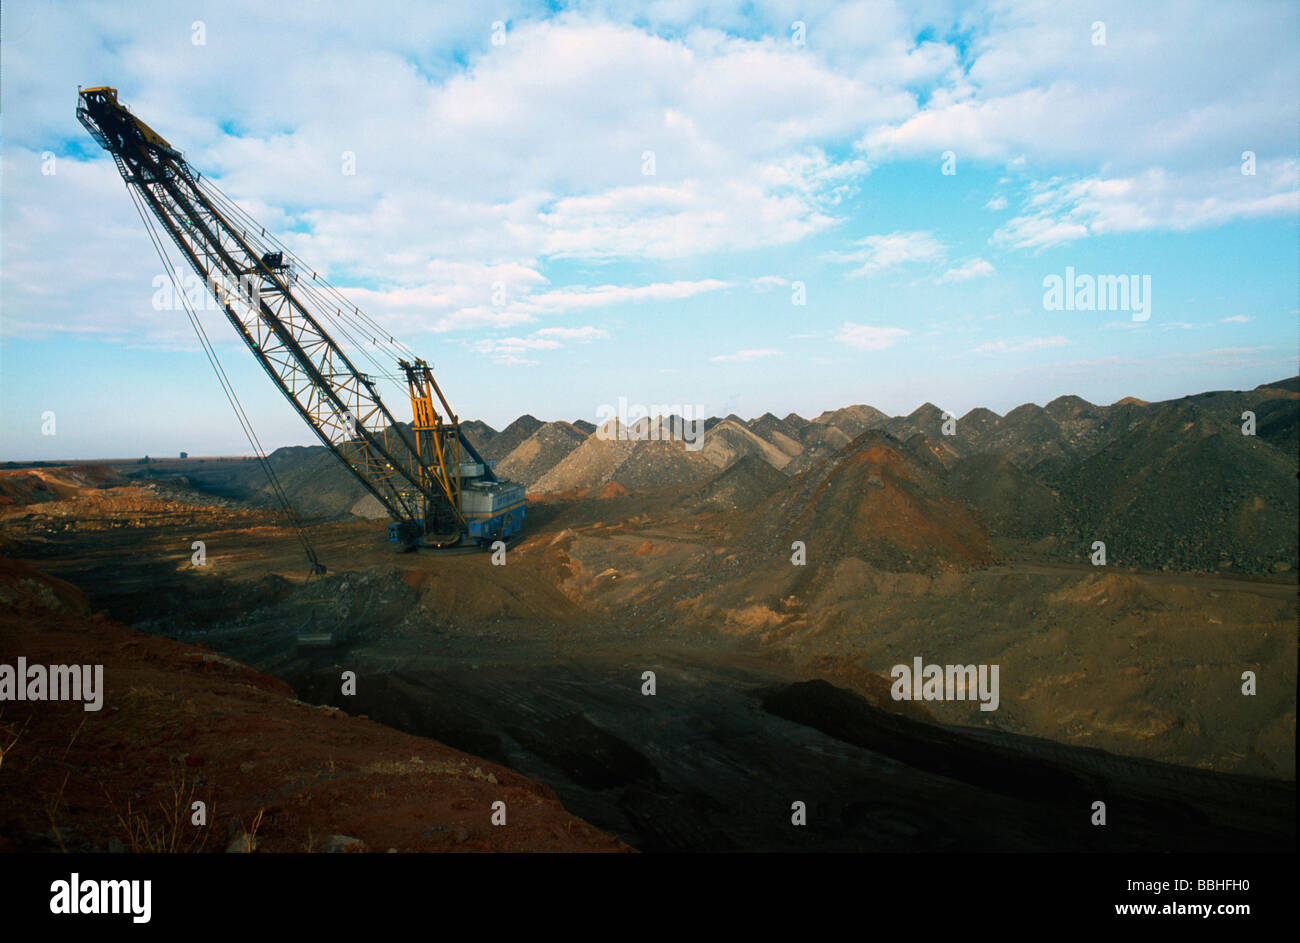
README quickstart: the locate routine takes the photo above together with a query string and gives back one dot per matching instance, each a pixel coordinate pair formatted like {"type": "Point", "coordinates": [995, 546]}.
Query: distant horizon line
{"type": "Point", "coordinates": [175, 457]}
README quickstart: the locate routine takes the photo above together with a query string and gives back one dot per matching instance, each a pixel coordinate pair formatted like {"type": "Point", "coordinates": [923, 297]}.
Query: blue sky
{"type": "Point", "coordinates": [501, 220]}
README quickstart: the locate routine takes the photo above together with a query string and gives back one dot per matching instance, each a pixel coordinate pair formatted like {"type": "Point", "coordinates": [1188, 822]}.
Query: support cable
{"type": "Point", "coordinates": [277, 489]}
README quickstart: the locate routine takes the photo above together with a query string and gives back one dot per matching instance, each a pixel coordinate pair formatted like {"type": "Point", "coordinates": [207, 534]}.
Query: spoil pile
{"type": "Point", "coordinates": [744, 483]}
{"type": "Point", "coordinates": [878, 503]}
{"type": "Point", "coordinates": [509, 438]}
{"type": "Point", "coordinates": [729, 441]}
{"type": "Point", "coordinates": [1185, 490]}
{"type": "Point", "coordinates": [783, 433]}
{"type": "Point", "coordinates": [478, 432]}
{"type": "Point", "coordinates": [820, 441]}
{"type": "Point", "coordinates": [853, 420]}
{"type": "Point", "coordinates": [540, 452]}
{"type": "Point", "coordinates": [37, 485]}
{"type": "Point", "coordinates": [628, 457]}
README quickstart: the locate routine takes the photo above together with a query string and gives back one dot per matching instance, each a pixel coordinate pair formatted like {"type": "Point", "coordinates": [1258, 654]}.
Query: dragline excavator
{"type": "Point", "coordinates": [428, 477]}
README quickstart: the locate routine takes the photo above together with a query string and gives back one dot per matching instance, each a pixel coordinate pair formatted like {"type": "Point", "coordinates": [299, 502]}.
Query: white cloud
{"type": "Point", "coordinates": [869, 337]}
{"type": "Point", "coordinates": [745, 356]}
{"type": "Point", "coordinates": [508, 350]}
{"type": "Point", "coordinates": [602, 296]}
{"type": "Point", "coordinates": [580, 334]}
{"type": "Point", "coordinates": [109, 292]}
{"type": "Point", "coordinates": [1245, 356]}
{"type": "Point", "coordinates": [527, 152]}
{"type": "Point", "coordinates": [522, 304]}
{"type": "Point", "coordinates": [1232, 351]}
{"type": "Point", "coordinates": [1237, 319]}
{"type": "Point", "coordinates": [479, 164]}
{"type": "Point", "coordinates": [975, 268]}
{"type": "Point", "coordinates": [878, 253]}
{"type": "Point", "coordinates": [513, 345]}
{"type": "Point", "coordinates": [1020, 346]}
{"type": "Point", "coordinates": [1152, 138]}
{"type": "Point", "coordinates": [673, 221]}
{"type": "Point", "coordinates": [1060, 212]}
{"type": "Point", "coordinates": [1037, 87]}
{"type": "Point", "coordinates": [510, 360]}
{"type": "Point", "coordinates": [1037, 232]}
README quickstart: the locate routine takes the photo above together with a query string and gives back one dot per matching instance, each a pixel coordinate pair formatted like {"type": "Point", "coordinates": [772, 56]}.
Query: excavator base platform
{"type": "Point", "coordinates": [450, 549]}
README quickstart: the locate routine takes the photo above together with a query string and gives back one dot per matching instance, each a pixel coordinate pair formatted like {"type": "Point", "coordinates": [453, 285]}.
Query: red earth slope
{"type": "Point", "coordinates": [181, 724]}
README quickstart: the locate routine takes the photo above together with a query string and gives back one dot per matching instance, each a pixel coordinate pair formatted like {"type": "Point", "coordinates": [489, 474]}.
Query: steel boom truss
{"type": "Point", "coordinates": [256, 292]}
